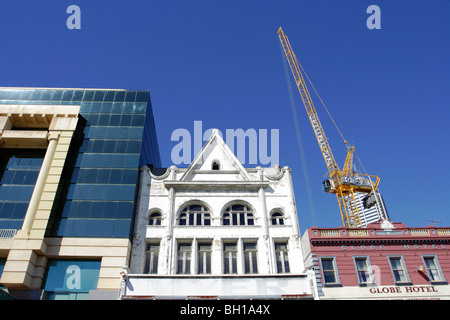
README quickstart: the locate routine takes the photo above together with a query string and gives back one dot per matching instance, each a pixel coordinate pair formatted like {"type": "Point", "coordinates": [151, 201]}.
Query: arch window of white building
{"type": "Point", "coordinates": [277, 219]}
{"type": "Point", "coordinates": [195, 215]}
{"type": "Point", "coordinates": [154, 219]}
{"type": "Point", "coordinates": [238, 215]}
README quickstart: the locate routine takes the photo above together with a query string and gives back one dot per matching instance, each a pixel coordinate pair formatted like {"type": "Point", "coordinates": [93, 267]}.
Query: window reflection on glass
{"type": "Point", "coordinates": [432, 268]}
{"type": "Point", "coordinates": [184, 258]}
{"type": "Point", "coordinates": [204, 258]}
{"type": "Point", "coordinates": [151, 258]}
{"type": "Point", "coordinates": [229, 258]}
{"type": "Point", "coordinates": [19, 169]}
{"type": "Point", "coordinates": [329, 271]}
{"type": "Point", "coordinates": [398, 269]}
{"type": "Point", "coordinates": [282, 257]}
{"type": "Point", "coordinates": [250, 258]}
{"type": "Point", "coordinates": [363, 270]}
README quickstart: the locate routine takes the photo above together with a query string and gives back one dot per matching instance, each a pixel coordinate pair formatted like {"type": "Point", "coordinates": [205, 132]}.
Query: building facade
{"type": "Point", "coordinates": [69, 170]}
{"type": "Point", "coordinates": [383, 261]}
{"type": "Point", "coordinates": [374, 213]}
{"type": "Point", "coordinates": [216, 230]}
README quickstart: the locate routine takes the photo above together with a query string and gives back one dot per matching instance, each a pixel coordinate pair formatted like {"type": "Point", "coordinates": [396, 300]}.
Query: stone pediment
{"type": "Point", "coordinates": [215, 162]}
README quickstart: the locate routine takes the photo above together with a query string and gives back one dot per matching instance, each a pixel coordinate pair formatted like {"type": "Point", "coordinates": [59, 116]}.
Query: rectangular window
{"type": "Point", "coordinates": [329, 271]}
{"type": "Point", "coordinates": [184, 258]}
{"type": "Point", "coordinates": [70, 279]}
{"type": "Point", "coordinates": [204, 258]}
{"type": "Point", "coordinates": [250, 257]}
{"type": "Point", "coordinates": [433, 269]}
{"type": "Point", "coordinates": [151, 258]}
{"type": "Point", "coordinates": [363, 270]}
{"type": "Point", "coordinates": [282, 258]}
{"type": "Point", "coordinates": [229, 258]}
{"type": "Point", "coordinates": [398, 269]}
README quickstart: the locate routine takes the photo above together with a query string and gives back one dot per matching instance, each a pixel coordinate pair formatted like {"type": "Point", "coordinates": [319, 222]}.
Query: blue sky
{"type": "Point", "coordinates": [220, 62]}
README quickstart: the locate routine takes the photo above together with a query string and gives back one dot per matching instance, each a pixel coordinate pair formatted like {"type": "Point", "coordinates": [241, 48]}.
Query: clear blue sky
{"type": "Point", "coordinates": [220, 62]}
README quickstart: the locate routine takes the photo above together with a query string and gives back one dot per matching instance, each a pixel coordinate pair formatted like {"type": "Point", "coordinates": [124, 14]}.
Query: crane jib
{"type": "Point", "coordinates": [317, 128]}
{"type": "Point", "coordinates": [343, 183]}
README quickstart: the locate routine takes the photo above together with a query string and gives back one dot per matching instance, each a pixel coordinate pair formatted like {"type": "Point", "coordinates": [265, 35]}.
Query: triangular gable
{"type": "Point", "coordinates": [215, 141]}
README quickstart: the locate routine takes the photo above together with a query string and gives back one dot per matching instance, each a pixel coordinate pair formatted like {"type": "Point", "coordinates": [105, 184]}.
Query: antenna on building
{"type": "Point", "coordinates": [434, 222]}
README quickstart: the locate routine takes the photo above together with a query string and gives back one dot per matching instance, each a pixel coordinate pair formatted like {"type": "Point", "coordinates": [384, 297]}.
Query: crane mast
{"type": "Point", "coordinates": [342, 183]}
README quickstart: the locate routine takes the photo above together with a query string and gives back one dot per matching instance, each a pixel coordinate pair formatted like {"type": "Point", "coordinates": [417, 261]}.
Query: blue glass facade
{"type": "Point", "coordinates": [18, 174]}
{"type": "Point", "coordinates": [115, 135]}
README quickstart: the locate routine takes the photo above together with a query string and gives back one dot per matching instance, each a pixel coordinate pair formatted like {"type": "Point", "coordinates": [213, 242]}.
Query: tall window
{"type": "Point", "coordinates": [433, 269]}
{"type": "Point", "coordinates": [195, 215]}
{"type": "Point", "coordinates": [329, 270]}
{"type": "Point", "coordinates": [184, 258]}
{"type": "Point", "coordinates": [250, 257]}
{"type": "Point", "coordinates": [19, 169]}
{"type": "Point", "coordinates": [363, 271]}
{"type": "Point", "coordinates": [277, 219]}
{"type": "Point", "coordinates": [151, 258]}
{"type": "Point", "coordinates": [229, 258]}
{"type": "Point", "coordinates": [398, 269]}
{"type": "Point", "coordinates": [204, 258]}
{"type": "Point", "coordinates": [154, 219]}
{"type": "Point", "coordinates": [282, 258]}
{"type": "Point", "coordinates": [238, 215]}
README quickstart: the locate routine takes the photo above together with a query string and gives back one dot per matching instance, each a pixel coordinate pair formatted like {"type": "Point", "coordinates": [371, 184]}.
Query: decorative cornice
{"type": "Point", "coordinates": [392, 241]}
{"type": "Point", "coordinates": [211, 185]}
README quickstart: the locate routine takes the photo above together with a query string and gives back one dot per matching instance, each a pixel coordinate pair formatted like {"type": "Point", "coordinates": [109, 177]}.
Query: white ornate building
{"type": "Point", "coordinates": [216, 230]}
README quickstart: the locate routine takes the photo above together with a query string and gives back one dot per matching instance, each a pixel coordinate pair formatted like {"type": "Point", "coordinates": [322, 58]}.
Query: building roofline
{"type": "Point", "coordinates": [50, 88]}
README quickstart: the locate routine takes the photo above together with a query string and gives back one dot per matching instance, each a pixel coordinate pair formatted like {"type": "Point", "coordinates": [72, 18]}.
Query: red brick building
{"type": "Point", "coordinates": [383, 261]}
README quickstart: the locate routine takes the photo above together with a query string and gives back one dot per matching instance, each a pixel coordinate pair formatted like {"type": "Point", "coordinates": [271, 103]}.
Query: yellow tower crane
{"type": "Point", "coordinates": [344, 183]}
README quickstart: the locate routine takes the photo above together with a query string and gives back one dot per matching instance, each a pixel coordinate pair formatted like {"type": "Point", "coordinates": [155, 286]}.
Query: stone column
{"type": "Point", "coordinates": [265, 236]}
{"type": "Point", "coordinates": [171, 251]}
{"type": "Point", "coordinates": [42, 177]}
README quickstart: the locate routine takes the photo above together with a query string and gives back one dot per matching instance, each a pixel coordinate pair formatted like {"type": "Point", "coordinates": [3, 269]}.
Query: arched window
{"type": "Point", "coordinates": [215, 165]}
{"type": "Point", "coordinates": [195, 215]}
{"type": "Point", "coordinates": [238, 215]}
{"type": "Point", "coordinates": [277, 219]}
{"type": "Point", "coordinates": [154, 219]}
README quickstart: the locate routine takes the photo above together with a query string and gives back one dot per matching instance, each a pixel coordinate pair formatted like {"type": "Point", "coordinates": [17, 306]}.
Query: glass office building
{"type": "Point", "coordinates": [69, 177]}
{"type": "Point", "coordinates": [114, 136]}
